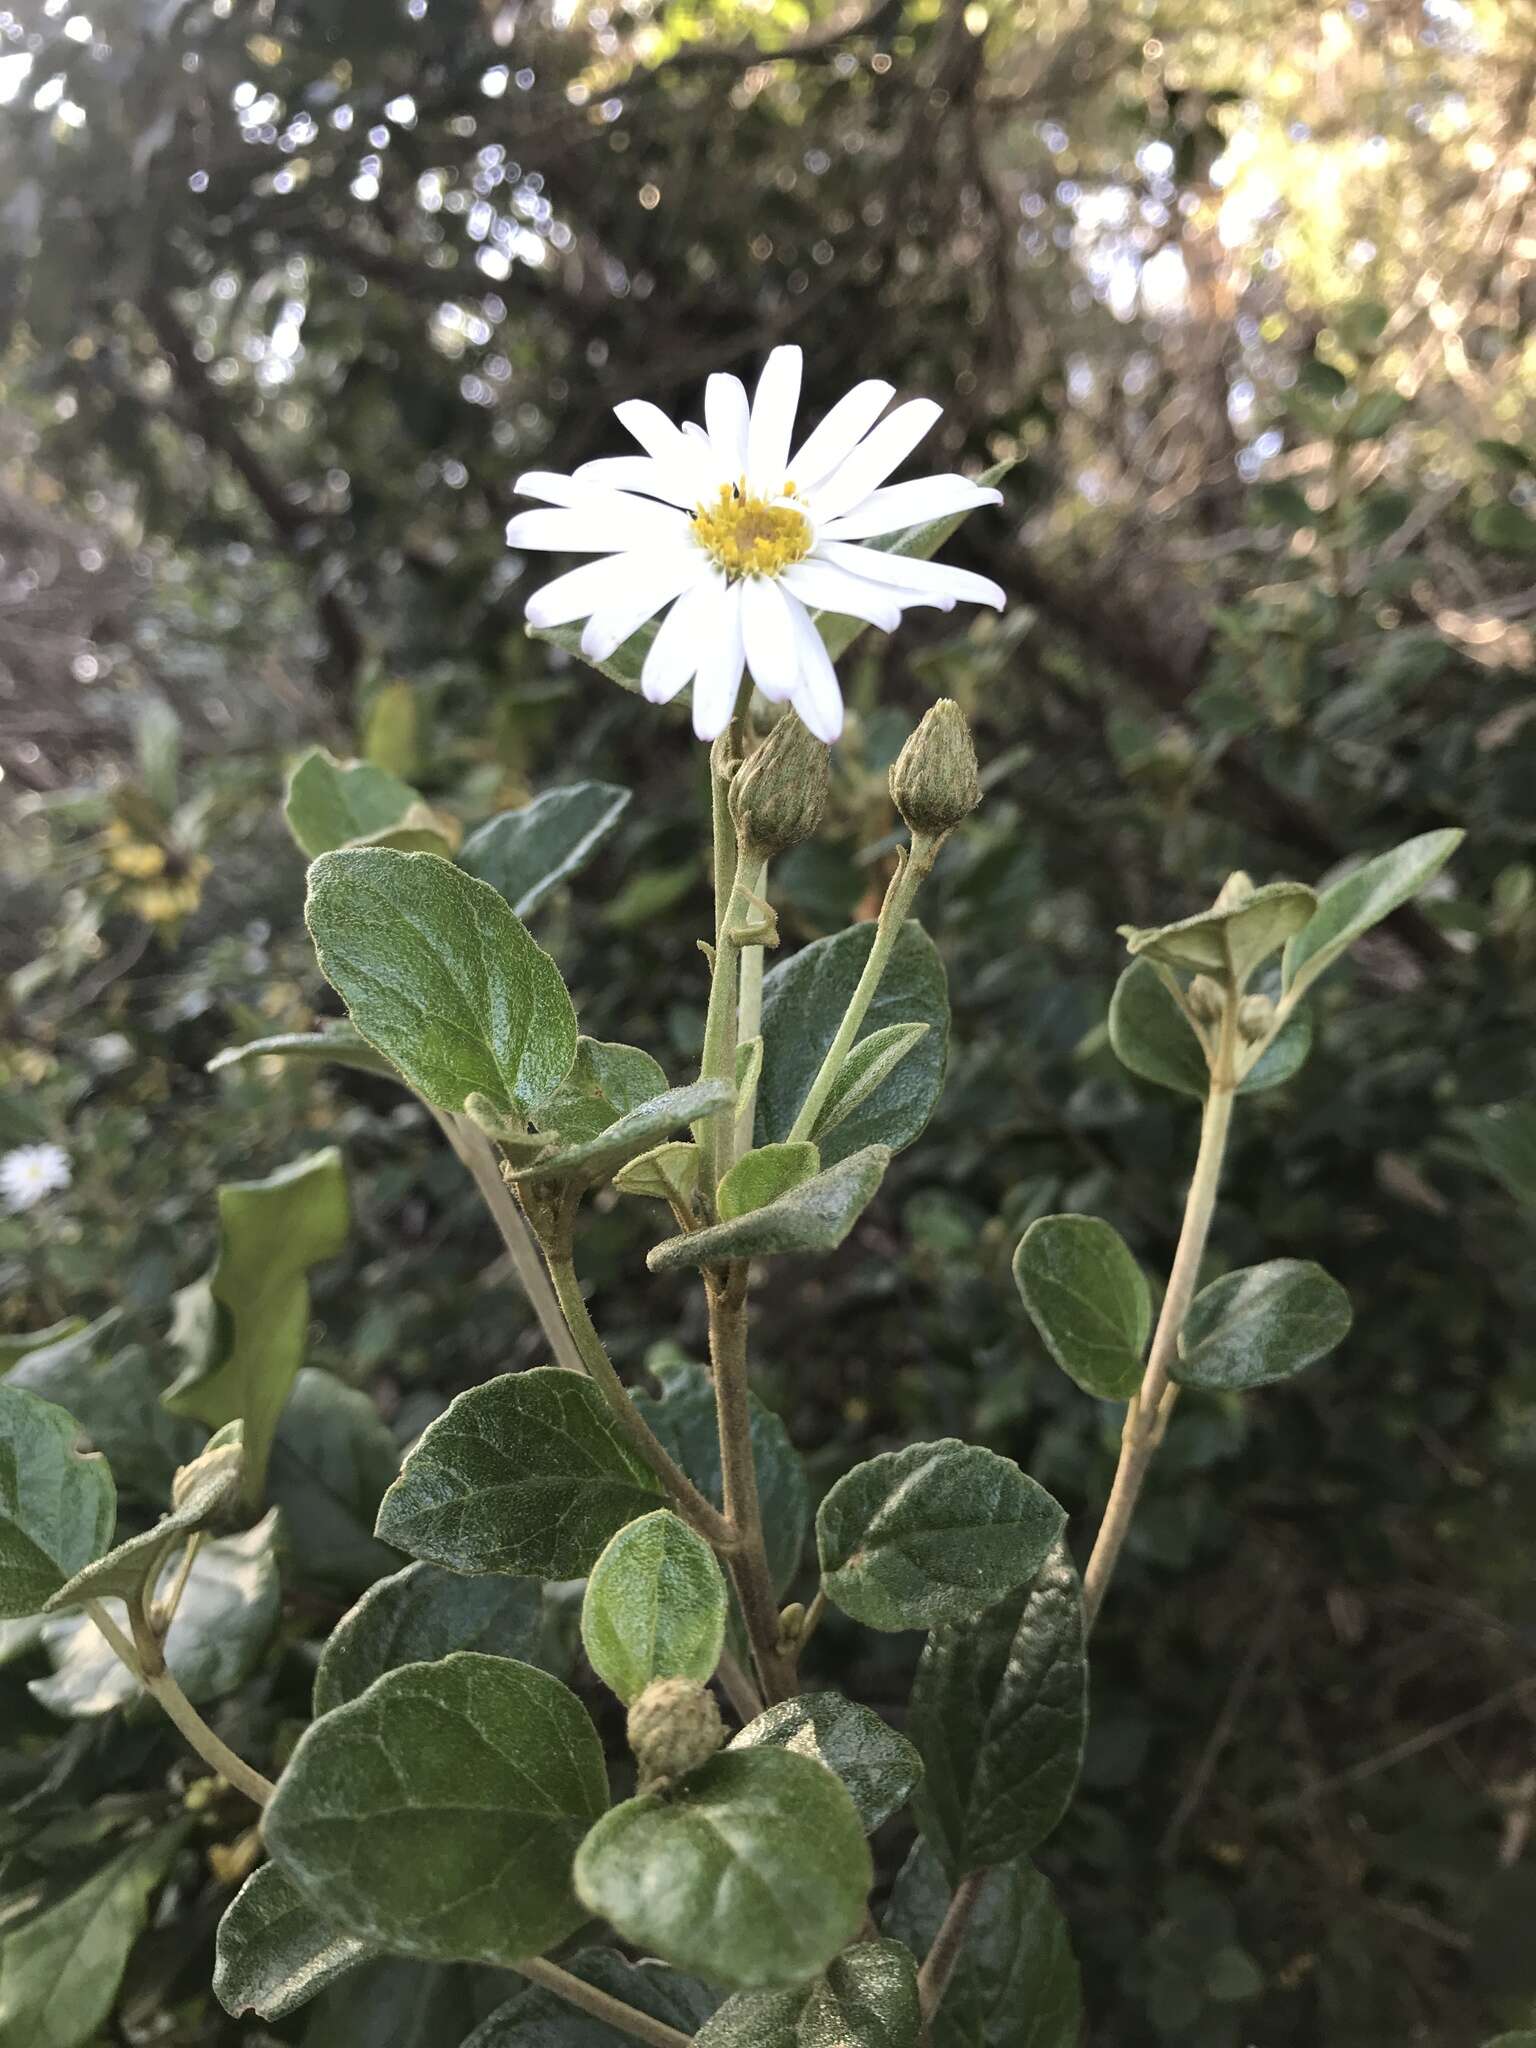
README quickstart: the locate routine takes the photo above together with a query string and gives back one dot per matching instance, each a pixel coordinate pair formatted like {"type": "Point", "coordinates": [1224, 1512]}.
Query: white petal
{"type": "Point", "coordinates": [549, 485]}
{"type": "Point", "coordinates": [595, 586]}
{"type": "Point", "coordinates": [718, 681]}
{"type": "Point", "coordinates": [609, 628]}
{"type": "Point", "coordinates": [899, 506]}
{"type": "Point", "coordinates": [685, 463]}
{"type": "Point", "coordinates": [933, 579]}
{"type": "Point", "coordinates": [768, 636]}
{"type": "Point", "coordinates": [606, 527]}
{"type": "Point", "coordinates": [840, 432]}
{"type": "Point", "coordinates": [828, 589]}
{"type": "Point", "coordinates": [816, 697]}
{"type": "Point", "coordinates": [773, 421]}
{"type": "Point", "coordinates": [873, 460]}
{"type": "Point", "coordinates": [610, 473]}
{"type": "Point", "coordinates": [673, 656]}
{"type": "Point", "coordinates": [726, 414]}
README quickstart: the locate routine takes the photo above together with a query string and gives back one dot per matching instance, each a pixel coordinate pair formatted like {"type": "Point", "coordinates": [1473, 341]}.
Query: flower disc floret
{"type": "Point", "coordinates": [751, 536]}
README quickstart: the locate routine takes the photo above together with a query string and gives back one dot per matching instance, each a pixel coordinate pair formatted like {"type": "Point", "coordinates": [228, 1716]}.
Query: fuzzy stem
{"type": "Point", "coordinates": [1147, 1416]}
{"type": "Point", "coordinates": [939, 1963]}
{"type": "Point", "coordinates": [628, 2019]}
{"type": "Point", "coordinates": [178, 1708]}
{"type": "Point", "coordinates": [749, 1022]}
{"type": "Point", "coordinates": [913, 868]}
{"type": "Point", "coordinates": [727, 1293]}
{"type": "Point", "coordinates": [475, 1151]}
{"type": "Point", "coordinates": [714, 1527]}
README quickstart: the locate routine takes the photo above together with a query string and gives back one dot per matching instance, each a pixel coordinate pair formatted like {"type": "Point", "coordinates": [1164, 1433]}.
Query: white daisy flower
{"type": "Point", "coordinates": [744, 537]}
{"type": "Point", "coordinates": [32, 1171]}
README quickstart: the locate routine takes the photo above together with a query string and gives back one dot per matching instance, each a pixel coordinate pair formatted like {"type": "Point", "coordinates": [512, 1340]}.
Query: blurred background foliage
{"type": "Point", "coordinates": [291, 291]}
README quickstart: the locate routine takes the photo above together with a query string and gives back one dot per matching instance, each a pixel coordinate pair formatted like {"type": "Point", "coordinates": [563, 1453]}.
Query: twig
{"type": "Point", "coordinates": [740, 1689]}
{"type": "Point", "coordinates": [613, 2011]}
{"type": "Point", "coordinates": [939, 1963]}
{"type": "Point", "coordinates": [1220, 1735]}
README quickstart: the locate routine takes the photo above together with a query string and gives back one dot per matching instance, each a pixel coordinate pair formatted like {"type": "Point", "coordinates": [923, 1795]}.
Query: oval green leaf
{"type": "Point", "coordinates": [274, 1952]}
{"type": "Point", "coordinates": [438, 1814]}
{"type": "Point", "coordinates": [752, 1873]}
{"type": "Point", "coordinates": [1262, 1324]}
{"type": "Point", "coordinates": [763, 1175]}
{"type": "Point", "coordinates": [524, 854]}
{"type": "Point", "coordinates": [878, 1766]}
{"type": "Point", "coordinates": [1089, 1300]}
{"type": "Point", "coordinates": [867, 1999]}
{"type": "Point", "coordinates": [438, 974]}
{"type": "Point", "coordinates": [1363, 899]}
{"type": "Point", "coordinates": [1234, 939]}
{"type": "Point", "coordinates": [654, 1607]}
{"type": "Point", "coordinates": [57, 1503]}
{"type": "Point", "coordinates": [935, 1533]}
{"type": "Point", "coordinates": [333, 803]}
{"type": "Point", "coordinates": [528, 1473]}
{"type": "Point", "coordinates": [1152, 1037]}
{"type": "Point", "coordinates": [420, 1614]}
{"type": "Point", "coordinates": [999, 1713]}
{"type": "Point", "coordinates": [814, 1217]}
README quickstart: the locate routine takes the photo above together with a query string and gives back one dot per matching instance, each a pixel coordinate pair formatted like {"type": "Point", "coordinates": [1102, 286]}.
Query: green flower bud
{"type": "Point", "coordinates": [674, 1727]}
{"type": "Point", "coordinates": [934, 784]}
{"type": "Point", "coordinates": [1255, 1017]}
{"type": "Point", "coordinates": [1205, 998]}
{"type": "Point", "coordinates": [779, 792]}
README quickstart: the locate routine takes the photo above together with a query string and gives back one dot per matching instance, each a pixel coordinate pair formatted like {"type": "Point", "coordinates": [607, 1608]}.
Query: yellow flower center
{"type": "Point", "coordinates": [751, 536]}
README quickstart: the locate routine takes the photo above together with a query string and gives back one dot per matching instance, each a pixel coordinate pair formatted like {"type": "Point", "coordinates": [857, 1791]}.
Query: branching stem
{"type": "Point", "coordinates": [162, 1687]}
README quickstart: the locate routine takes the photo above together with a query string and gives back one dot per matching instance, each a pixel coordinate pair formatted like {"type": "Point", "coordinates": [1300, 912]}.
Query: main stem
{"type": "Point", "coordinates": [904, 885]}
{"type": "Point", "coordinates": [627, 2018]}
{"type": "Point", "coordinates": [727, 1292]}
{"type": "Point", "coordinates": [1147, 1415]}
{"type": "Point", "coordinates": [178, 1708]}
{"type": "Point", "coordinates": [714, 1527]}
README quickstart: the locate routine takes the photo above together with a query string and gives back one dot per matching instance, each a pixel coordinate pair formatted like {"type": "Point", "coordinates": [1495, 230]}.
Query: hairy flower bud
{"type": "Point", "coordinates": [1255, 1017]}
{"type": "Point", "coordinates": [674, 1726]}
{"type": "Point", "coordinates": [779, 792]}
{"type": "Point", "coordinates": [1205, 998]}
{"type": "Point", "coordinates": [934, 784]}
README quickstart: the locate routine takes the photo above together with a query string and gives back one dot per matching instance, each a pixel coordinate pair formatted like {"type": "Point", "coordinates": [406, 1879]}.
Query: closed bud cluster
{"type": "Point", "coordinates": [223, 1463]}
{"type": "Point", "coordinates": [1255, 1016]}
{"type": "Point", "coordinates": [1205, 998]}
{"type": "Point", "coordinates": [779, 792]}
{"type": "Point", "coordinates": [674, 1727]}
{"type": "Point", "coordinates": [934, 784]}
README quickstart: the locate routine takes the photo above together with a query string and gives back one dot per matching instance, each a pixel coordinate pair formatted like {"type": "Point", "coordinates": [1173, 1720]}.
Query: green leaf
{"type": "Point", "coordinates": [761, 1176]}
{"type": "Point", "coordinates": [684, 1420]}
{"type": "Point", "coordinates": [223, 1623]}
{"type": "Point", "coordinates": [60, 1969]}
{"type": "Point", "coordinates": [541, 2019]}
{"type": "Point", "coordinates": [623, 666]}
{"type": "Point", "coordinates": [528, 1473]}
{"type": "Point", "coordinates": [1321, 380]}
{"type": "Point", "coordinates": [1282, 504]}
{"type": "Point", "coordinates": [1016, 1983]}
{"type": "Point", "coordinates": [999, 1712]}
{"type": "Point", "coordinates": [629, 1137]}
{"type": "Point", "coordinates": [1151, 1035]}
{"type": "Point", "coordinates": [337, 1042]}
{"type": "Point", "coordinates": [333, 803]}
{"type": "Point", "coordinates": [207, 1491]}
{"type": "Point", "coordinates": [439, 975]}
{"type": "Point", "coordinates": [922, 542]}
{"type": "Point", "coordinates": [437, 1815]}
{"type": "Point", "coordinates": [654, 1606]}
{"type": "Point", "coordinates": [1505, 527]}
{"type": "Point", "coordinates": [524, 854]}
{"type": "Point", "coordinates": [668, 1173]}
{"type": "Point", "coordinates": [867, 1999]}
{"type": "Point", "coordinates": [606, 1081]}
{"type": "Point", "coordinates": [1362, 899]}
{"type": "Point", "coordinates": [1233, 940]}
{"type": "Point", "coordinates": [751, 1873]}
{"type": "Point", "coordinates": [254, 1304]}
{"type": "Point", "coordinates": [332, 1459]}
{"type": "Point", "coordinates": [814, 1217]}
{"type": "Point", "coordinates": [804, 999]}
{"type": "Point", "coordinates": [1376, 414]}
{"type": "Point", "coordinates": [935, 1533]}
{"type": "Point", "coordinates": [878, 1766]}
{"type": "Point", "coordinates": [57, 1504]}
{"type": "Point", "coordinates": [1508, 455]}
{"type": "Point", "coordinates": [420, 1614]}
{"type": "Point", "coordinates": [274, 1952]}
{"type": "Point", "coordinates": [865, 1069]}
{"type": "Point", "coordinates": [1262, 1324]}
{"type": "Point", "coordinates": [1503, 1138]}
{"type": "Point", "coordinates": [395, 2003]}
{"type": "Point", "coordinates": [1089, 1300]}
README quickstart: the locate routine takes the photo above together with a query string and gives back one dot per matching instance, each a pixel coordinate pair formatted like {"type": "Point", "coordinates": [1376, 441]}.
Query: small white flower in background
{"type": "Point", "coordinates": [744, 539]}
{"type": "Point", "coordinates": [32, 1171]}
